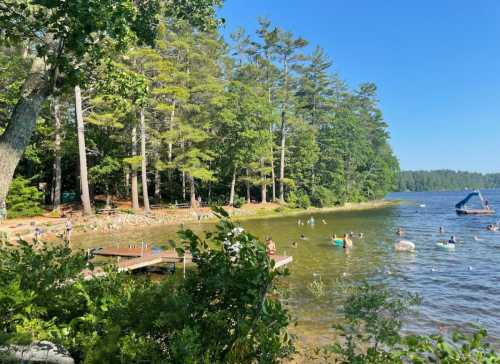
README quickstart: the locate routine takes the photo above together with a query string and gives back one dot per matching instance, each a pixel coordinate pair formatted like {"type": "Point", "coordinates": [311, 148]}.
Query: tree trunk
{"type": "Point", "coordinates": [126, 177]}
{"type": "Point", "coordinates": [17, 136]}
{"type": "Point", "coordinates": [283, 135]}
{"type": "Point", "coordinates": [56, 201]}
{"type": "Point", "coordinates": [108, 198]}
{"type": "Point", "coordinates": [233, 184]}
{"type": "Point", "coordinates": [192, 191]}
{"type": "Point", "coordinates": [282, 161]}
{"type": "Point", "coordinates": [157, 186]}
{"type": "Point", "coordinates": [170, 128]}
{"type": "Point", "coordinates": [249, 197]}
{"type": "Point", "coordinates": [84, 182]}
{"type": "Point", "coordinates": [263, 196]}
{"type": "Point", "coordinates": [144, 177]}
{"type": "Point", "coordinates": [133, 174]}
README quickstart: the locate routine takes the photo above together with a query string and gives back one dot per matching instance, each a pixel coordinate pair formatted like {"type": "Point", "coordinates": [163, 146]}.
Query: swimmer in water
{"type": "Point", "coordinates": [294, 244]}
{"type": "Point", "coordinates": [303, 237]}
{"type": "Point", "coordinates": [441, 230]}
{"type": "Point", "coordinates": [347, 241]}
{"type": "Point", "coordinates": [400, 231]}
{"type": "Point", "coordinates": [271, 247]}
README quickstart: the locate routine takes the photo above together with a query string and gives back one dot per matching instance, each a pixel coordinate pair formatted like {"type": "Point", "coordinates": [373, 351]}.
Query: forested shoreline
{"type": "Point", "coordinates": [193, 117]}
{"type": "Point", "coordinates": [443, 180]}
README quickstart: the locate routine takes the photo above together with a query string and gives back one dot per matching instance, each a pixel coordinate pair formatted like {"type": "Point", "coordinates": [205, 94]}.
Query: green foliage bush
{"type": "Point", "coordinates": [239, 202]}
{"type": "Point", "coordinates": [299, 199]}
{"type": "Point", "coordinates": [23, 199]}
{"type": "Point", "coordinates": [323, 197]}
{"type": "Point", "coordinates": [225, 311]}
{"type": "Point", "coordinates": [372, 334]}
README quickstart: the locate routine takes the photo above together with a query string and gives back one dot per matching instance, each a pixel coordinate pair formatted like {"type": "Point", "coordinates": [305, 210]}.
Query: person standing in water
{"type": "Point", "coordinates": [441, 230]}
{"type": "Point", "coordinates": [347, 241]}
{"type": "Point", "coordinates": [271, 247]}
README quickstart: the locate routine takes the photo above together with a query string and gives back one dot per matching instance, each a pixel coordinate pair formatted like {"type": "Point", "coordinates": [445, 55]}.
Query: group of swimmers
{"type": "Point", "coordinates": [453, 239]}
{"type": "Point", "coordinates": [493, 227]}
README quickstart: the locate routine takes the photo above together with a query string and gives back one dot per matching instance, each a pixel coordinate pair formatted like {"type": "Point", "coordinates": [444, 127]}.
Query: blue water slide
{"type": "Point", "coordinates": [462, 203]}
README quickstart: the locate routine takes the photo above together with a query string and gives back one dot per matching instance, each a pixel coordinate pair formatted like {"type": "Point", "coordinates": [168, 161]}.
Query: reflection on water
{"type": "Point", "coordinates": [457, 287]}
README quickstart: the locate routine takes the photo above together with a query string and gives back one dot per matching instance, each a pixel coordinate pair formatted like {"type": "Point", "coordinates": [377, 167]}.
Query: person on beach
{"type": "Point", "coordinates": [271, 247]}
{"type": "Point", "coordinates": [38, 234]}
{"type": "Point", "coordinates": [69, 230]}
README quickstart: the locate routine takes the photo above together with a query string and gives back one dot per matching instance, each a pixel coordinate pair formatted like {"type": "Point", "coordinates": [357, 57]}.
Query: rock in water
{"type": "Point", "coordinates": [404, 246]}
{"type": "Point", "coordinates": [37, 352]}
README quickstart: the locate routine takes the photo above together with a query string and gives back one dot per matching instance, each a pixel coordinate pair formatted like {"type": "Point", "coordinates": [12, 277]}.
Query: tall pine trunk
{"type": "Point", "coordinates": [56, 201]}
{"type": "Point", "coordinates": [133, 174]}
{"type": "Point", "coordinates": [84, 182]}
{"type": "Point", "coordinates": [144, 177]}
{"type": "Point", "coordinates": [249, 196]}
{"type": "Point", "coordinates": [263, 192]}
{"type": "Point", "coordinates": [233, 185]}
{"type": "Point", "coordinates": [283, 135]}
{"type": "Point", "coordinates": [192, 191]}
{"type": "Point", "coordinates": [157, 185]}
{"type": "Point", "coordinates": [15, 139]}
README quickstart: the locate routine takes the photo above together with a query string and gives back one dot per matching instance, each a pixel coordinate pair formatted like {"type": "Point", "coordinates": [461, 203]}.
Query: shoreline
{"type": "Point", "coordinates": [53, 228]}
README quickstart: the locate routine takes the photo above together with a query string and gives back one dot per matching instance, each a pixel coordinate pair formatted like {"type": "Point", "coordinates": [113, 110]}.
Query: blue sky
{"type": "Point", "coordinates": [436, 64]}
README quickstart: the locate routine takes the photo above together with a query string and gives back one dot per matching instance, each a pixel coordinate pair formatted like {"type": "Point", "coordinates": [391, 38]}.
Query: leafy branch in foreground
{"type": "Point", "coordinates": [225, 311]}
{"type": "Point", "coordinates": [371, 334]}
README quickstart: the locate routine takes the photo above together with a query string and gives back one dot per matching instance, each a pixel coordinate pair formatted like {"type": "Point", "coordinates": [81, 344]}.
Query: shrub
{"type": "Point", "coordinates": [323, 197]}
{"type": "Point", "coordinates": [23, 199]}
{"type": "Point", "coordinates": [225, 311]}
{"type": "Point", "coordinates": [239, 202]}
{"type": "Point", "coordinates": [372, 334]}
{"type": "Point", "coordinates": [299, 199]}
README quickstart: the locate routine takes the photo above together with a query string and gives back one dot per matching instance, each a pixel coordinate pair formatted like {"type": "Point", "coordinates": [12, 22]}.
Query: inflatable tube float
{"type": "Point", "coordinates": [404, 246]}
{"type": "Point", "coordinates": [445, 246]}
{"type": "Point", "coordinates": [338, 242]}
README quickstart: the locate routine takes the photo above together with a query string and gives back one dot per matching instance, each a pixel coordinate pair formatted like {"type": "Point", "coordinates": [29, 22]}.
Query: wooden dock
{"type": "Point", "coordinates": [142, 258]}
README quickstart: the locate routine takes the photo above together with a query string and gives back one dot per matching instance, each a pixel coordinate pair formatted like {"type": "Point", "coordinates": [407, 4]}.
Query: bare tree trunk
{"type": "Point", "coordinates": [283, 135]}
{"type": "Point", "coordinates": [84, 182]}
{"type": "Point", "coordinates": [157, 185]}
{"type": "Point", "coordinates": [249, 197]}
{"type": "Point", "coordinates": [17, 136]}
{"type": "Point", "coordinates": [126, 177]}
{"type": "Point", "coordinates": [282, 162]}
{"type": "Point", "coordinates": [56, 201]}
{"type": "Point", "coordinates": [108, 198]}
{"type": "Point", "coordinates": [144, 177]}
{"type": "Point", "coordinates": [192, 191]}
{"type": "Point", "coordinates": [133, 174]}
{"type": "Point", "coordinates": [183, 186]}
{"type": "Point", "coordinates": [273, 175]}
{"type": "Point", "coordinates": [170, 128]}
{"type": "Point", "coordinates": [233, 184]}
{"type": "Point", "coordinates": [263, 196]}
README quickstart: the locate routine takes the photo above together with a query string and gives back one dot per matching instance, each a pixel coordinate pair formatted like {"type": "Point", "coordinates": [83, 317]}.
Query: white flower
{"type": "Point", "coordinates": [237, 230]}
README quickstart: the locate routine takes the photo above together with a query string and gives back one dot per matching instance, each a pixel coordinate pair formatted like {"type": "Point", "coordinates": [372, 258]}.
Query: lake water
{"type": "Point", "coordinates": [458, 288]}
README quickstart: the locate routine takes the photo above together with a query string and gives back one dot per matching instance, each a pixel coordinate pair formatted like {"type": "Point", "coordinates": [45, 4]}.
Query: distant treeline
{"type": "Point", "coordinates": [440, 180]}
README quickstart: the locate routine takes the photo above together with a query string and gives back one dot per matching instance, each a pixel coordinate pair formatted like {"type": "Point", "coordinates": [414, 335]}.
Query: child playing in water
{"type": "Point", "coordinates": [271, 247]}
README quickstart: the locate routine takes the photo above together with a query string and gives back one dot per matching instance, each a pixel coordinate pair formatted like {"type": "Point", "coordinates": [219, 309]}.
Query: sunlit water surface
{"type": "Point", "coordinates": [458, 288]}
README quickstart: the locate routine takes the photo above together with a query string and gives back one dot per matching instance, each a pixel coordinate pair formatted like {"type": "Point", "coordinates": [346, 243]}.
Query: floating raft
{"type": "Point", "coordinates": [142, 258]}
{"type": "Point", "coordinates": [475, 212]}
